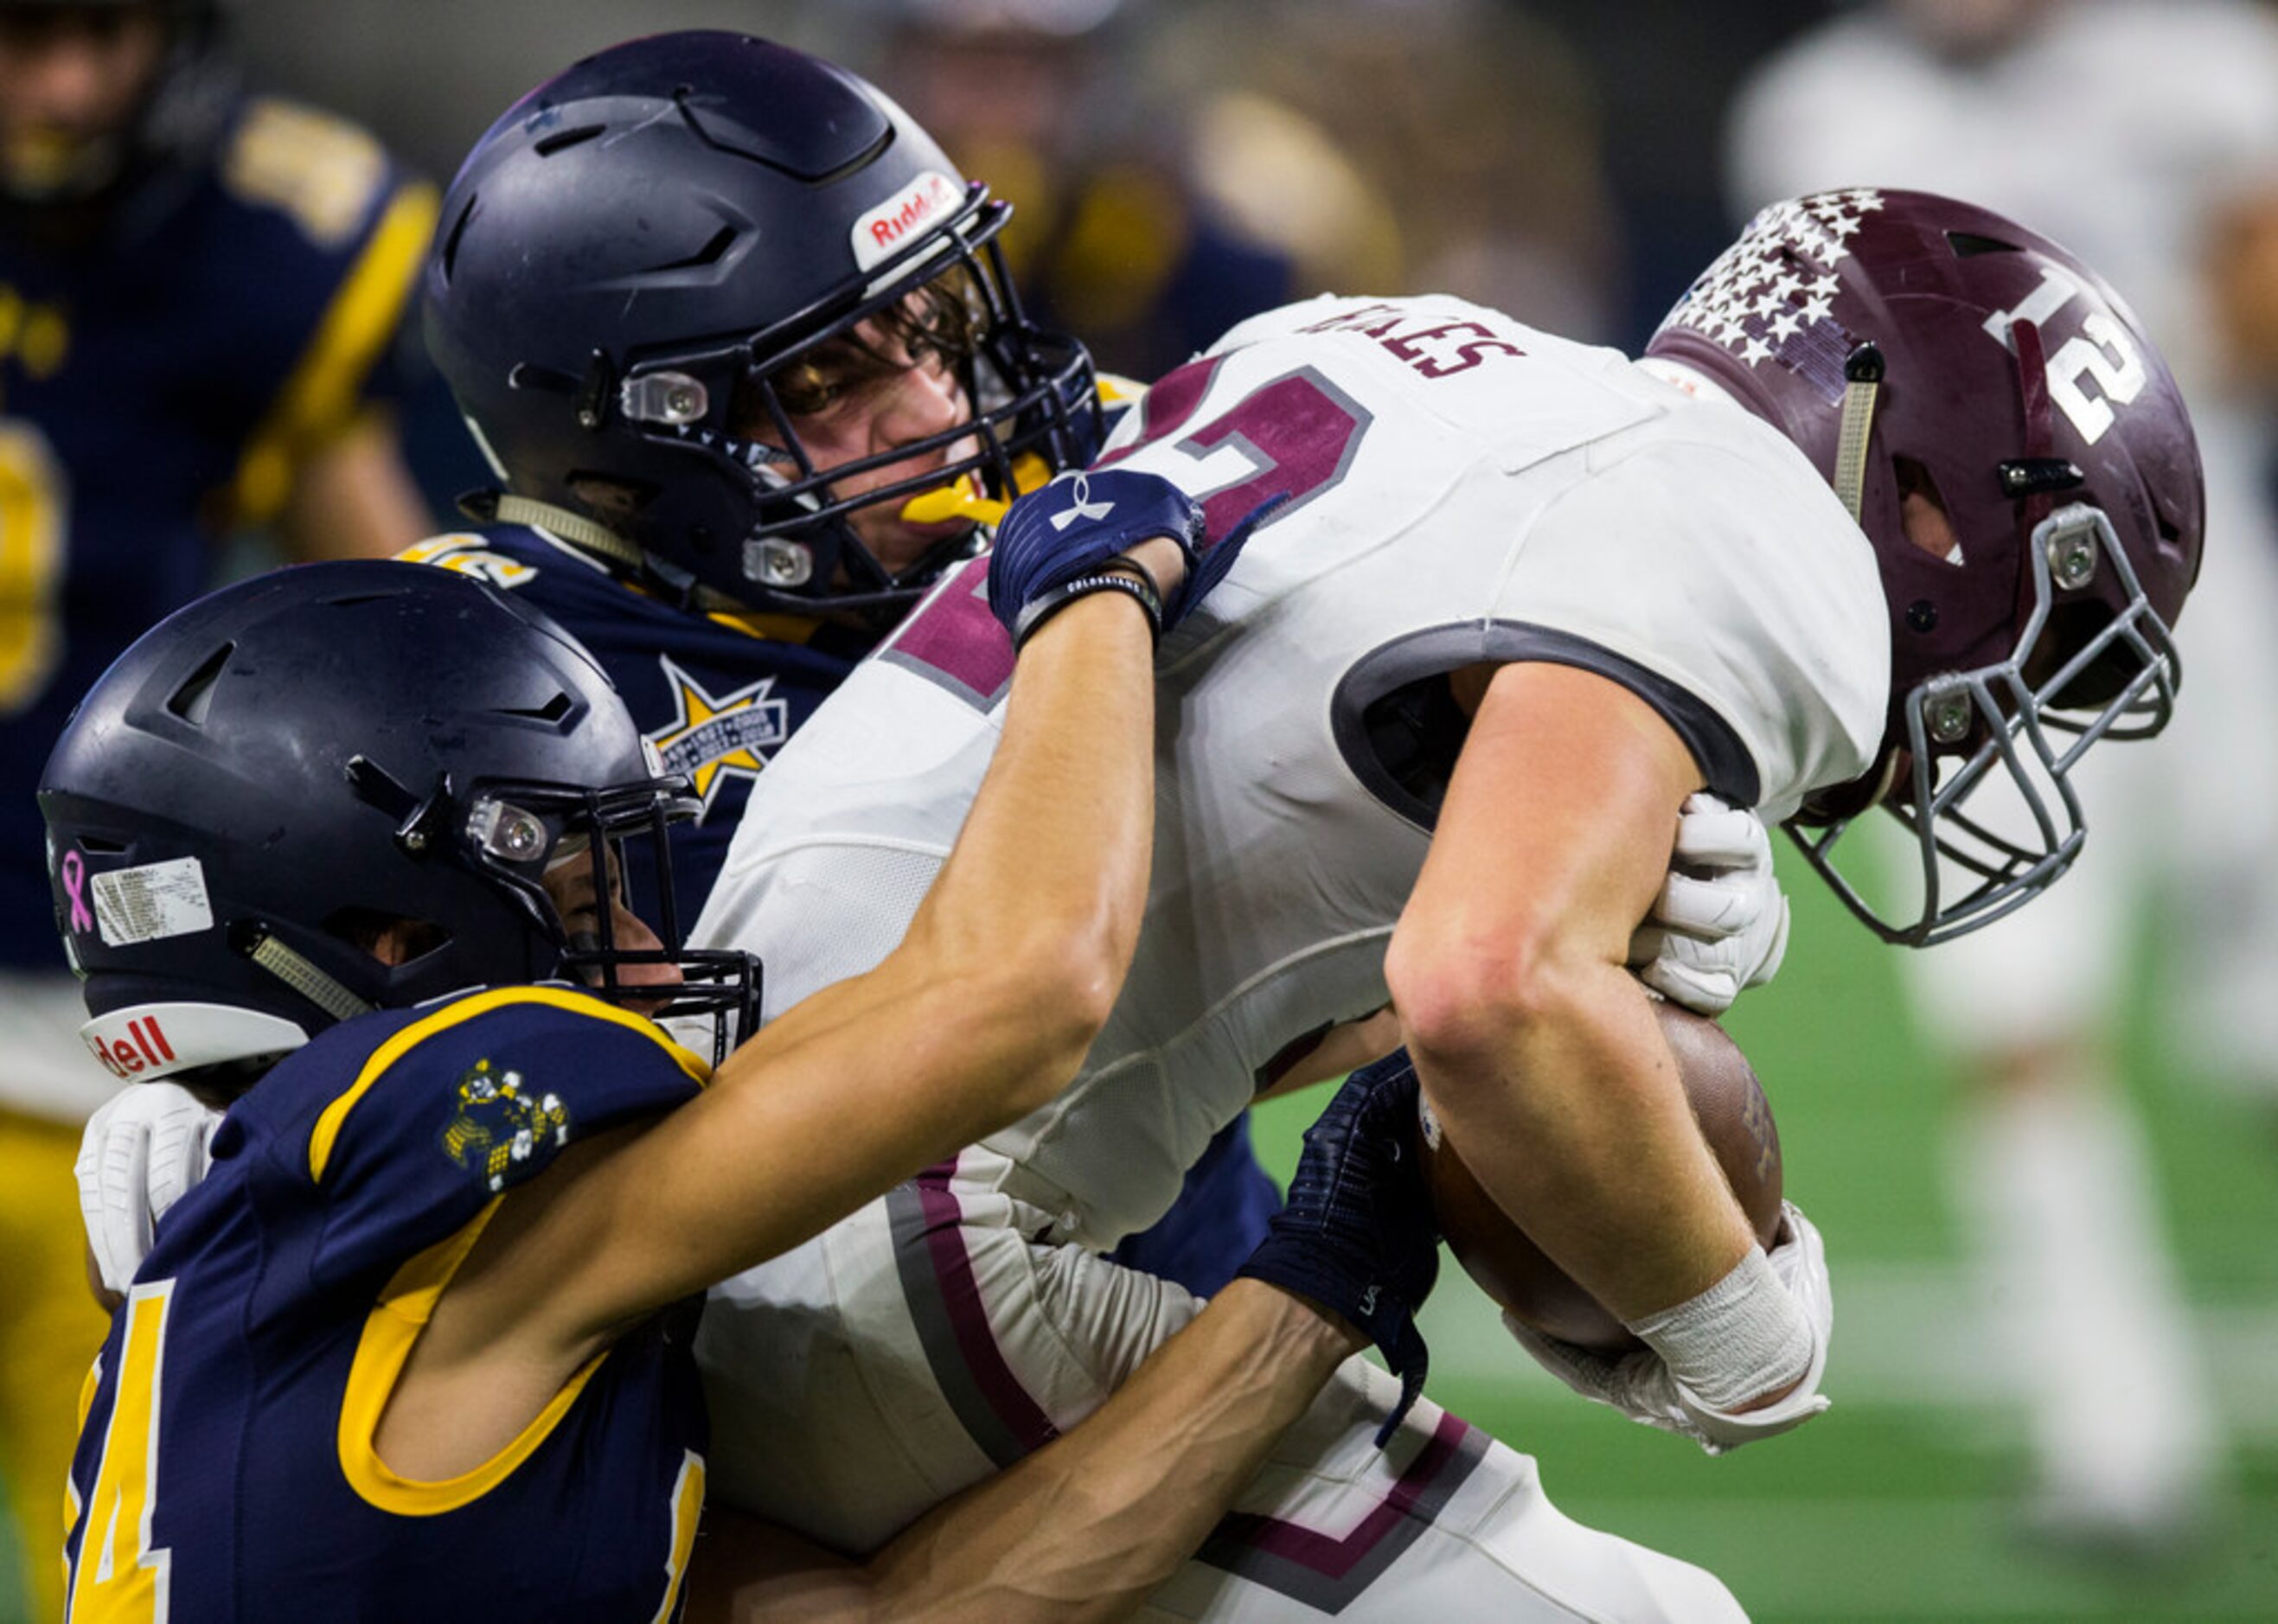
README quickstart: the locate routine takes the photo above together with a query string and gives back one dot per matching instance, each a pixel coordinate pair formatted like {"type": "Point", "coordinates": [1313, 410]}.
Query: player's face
{"type": "Point", "coordinates": [893, 381]}
{"type": "Point", "coordinates": [570, 883]}
{"type": "Point", "coordinates": [71, 80]}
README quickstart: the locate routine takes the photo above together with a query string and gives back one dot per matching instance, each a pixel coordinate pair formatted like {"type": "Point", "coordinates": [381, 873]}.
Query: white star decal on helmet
{"type": "Point", "coordinates": [1766, 297]}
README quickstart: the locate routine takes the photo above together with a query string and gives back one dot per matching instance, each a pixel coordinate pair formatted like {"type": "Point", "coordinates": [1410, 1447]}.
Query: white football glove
{"type": "Point", "coordinates": [1720, 922]}
{"type": "Point", "coordinates": [143, 1149]}
{"type": "Point", "coordinates": [1640, 1386]}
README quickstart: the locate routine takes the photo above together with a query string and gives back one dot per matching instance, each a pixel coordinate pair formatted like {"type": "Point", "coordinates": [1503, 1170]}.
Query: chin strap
{"type": "Point", "coordinates": [304, 977]}
{"type": "Point", "coordinates": [591, 535]}
{"type": "Point", "coordinates": [1863, 374]}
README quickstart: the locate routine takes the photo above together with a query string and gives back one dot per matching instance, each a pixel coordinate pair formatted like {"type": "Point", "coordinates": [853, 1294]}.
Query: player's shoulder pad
{"type": "Point", "coordinates": [492, 1082]}
{"type": "Point", "coordinates": [400, 1126]}
{"type": "Point", "coordinates": [501, 555]}
{"type": "Point", "coordinates": [1292, 317]}
{"type": "Point", "coordinates": [322, 173]}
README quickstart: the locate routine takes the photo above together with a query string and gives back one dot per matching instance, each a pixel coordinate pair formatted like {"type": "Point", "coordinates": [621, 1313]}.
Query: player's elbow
{"type": "Point", "coordinates": [1042, 1013]}
{"type": "Point", "coordinates": [1470, 1007]}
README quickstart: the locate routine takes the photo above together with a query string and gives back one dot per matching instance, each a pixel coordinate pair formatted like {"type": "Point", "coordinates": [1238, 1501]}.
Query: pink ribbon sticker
{"type": "Point", "coordinates": [74, 871]}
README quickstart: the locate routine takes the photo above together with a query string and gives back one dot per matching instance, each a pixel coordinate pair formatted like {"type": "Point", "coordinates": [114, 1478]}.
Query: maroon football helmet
{"type": "Point", "coordinates": [1935, 359]}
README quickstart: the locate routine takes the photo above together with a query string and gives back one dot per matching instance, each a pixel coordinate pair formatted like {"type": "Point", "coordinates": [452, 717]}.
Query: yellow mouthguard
{"type": "Point", "coordinates": [965, 499]}
{"type": "Point", "coordinates": [960, 500]}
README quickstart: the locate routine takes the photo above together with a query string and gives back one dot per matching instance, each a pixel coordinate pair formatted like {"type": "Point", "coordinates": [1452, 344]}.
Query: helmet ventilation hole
{"type": "Point", "coordinates": [1915, 483]}
{"type": "Point", "coordinates": [552, 711]}
{"type": "Point", "coordinates": [194, 697]}
{"type": "Point", "coordinates": [562, 139]}
{"type": "Point", "coordinates": [708, 255]}
{"type": "Point", "coordinates": [1969, 245]}
{"type": "Point", "coordinates": [458, 230]}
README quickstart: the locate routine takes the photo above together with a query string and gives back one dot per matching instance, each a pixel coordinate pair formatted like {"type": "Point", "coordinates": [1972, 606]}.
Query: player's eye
{"type": "Point", "coordinates": [805, 391]}
{"type": "Point", "coordinates": [939, 324]}
{"type": "Point", "coordinates": [831, 375]}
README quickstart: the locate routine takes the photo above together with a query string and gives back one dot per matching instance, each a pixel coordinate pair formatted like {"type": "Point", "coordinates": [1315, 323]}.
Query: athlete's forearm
{"type": "Point", "coordinates": [1040, 903]}
{"type": "Point", "coordinates": [1536, 1047]}
{"type": "Point", "coordinates": [355, 499]}
{"type": "Point", "coordinates": [1573, 1118]}
{"type": "Point", "coordinates": [1088, 1526]}
{"type": "Point", "coordinates": [1344, 1049]}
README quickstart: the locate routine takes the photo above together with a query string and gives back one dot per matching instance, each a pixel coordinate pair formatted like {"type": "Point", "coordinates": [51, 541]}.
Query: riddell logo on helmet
{"type": "Point", "coordinates": [884, 232]}
{"type": "Point", "coordinates": [143, 1047]}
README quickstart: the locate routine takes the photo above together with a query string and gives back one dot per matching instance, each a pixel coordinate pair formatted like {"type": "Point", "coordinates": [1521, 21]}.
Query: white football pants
{"type": "Point", "coordinates": [941, 1333]}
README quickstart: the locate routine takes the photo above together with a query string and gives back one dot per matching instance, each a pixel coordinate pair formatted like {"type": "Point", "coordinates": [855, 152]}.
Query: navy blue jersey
{"type": "Point", "coordinates": [226, 1468]}
{"type": "Point", "coordinates": [161, 382]}
{"type": "Point", "coordinates": [717, 694]}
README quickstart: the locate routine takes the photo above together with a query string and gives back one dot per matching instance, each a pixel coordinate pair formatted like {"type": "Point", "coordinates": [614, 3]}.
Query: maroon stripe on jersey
{"type": "Point", "coordinates": [1168, 403]}
{"type": "Point", "coordinates": [1327, 1571]}
{"type": "Point", "coordinates": [952, 1325]}
{"type": "Point", "coordinates": [954, 642]}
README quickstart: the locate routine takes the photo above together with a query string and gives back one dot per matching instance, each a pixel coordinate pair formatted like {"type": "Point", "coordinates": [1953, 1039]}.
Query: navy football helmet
{"type": "Point", "coordinates": [275, 775]}
{"type": "Point", "coordinates": [637, 266]}
{"type": "Point", "coordinates": [1962, 381]}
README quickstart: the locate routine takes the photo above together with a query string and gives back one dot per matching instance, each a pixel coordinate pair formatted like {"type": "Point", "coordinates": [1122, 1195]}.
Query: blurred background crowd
{"type": "Point", "coordinates": [2045, 1159]}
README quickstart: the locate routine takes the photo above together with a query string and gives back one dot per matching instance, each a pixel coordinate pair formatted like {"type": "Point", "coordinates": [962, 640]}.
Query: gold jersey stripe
{"type": "Point", "coordinates": [328, 1124]}
{"type": "Point", "coordinates": [319, 400]}
{"type": "Point", "coordinates": [390, 1333]}
{"type": "Point", "coordinates": [767, 628]}
{"type": "Point", "coordinates": [687, 1512]}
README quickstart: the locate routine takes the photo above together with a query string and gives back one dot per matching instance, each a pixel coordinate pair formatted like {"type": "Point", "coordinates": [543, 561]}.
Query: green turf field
{"type": "Point", "coordinates": [1896, 1506]}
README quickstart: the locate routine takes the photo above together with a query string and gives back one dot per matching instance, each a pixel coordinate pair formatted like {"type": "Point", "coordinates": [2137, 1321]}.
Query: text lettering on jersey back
{"type": "Point", "coordinates": [1426, 347]}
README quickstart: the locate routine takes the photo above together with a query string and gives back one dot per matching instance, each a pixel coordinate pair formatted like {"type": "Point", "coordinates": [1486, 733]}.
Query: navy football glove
{"type": "Point", "coordinates": [1078, 525]}
{"type": "Point", "coordinates": [1356, 1236]}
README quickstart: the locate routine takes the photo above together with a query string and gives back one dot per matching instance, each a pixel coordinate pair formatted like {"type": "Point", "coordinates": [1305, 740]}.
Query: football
{"type": "Point", "coordinates": [1735, 1118]}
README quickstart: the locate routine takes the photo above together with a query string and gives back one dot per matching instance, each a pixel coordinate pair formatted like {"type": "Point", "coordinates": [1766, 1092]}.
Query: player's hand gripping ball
{"type": "Point", "coordinates": [1735, 1118]}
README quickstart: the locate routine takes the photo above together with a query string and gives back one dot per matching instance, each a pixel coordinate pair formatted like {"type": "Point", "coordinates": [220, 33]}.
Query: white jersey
{"type": "Point", "coordinates": [1460, 488]}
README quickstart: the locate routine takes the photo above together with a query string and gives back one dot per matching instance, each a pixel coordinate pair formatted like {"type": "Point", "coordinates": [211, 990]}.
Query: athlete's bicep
{"type": "Point", "coordinates": [1558, 820]}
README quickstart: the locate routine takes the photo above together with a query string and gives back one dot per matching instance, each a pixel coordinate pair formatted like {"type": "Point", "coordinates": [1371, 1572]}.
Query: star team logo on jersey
{"type": "Point", "coordinates": [1769, 296]}
{"type": "Point", "coordinates": [711, 736]}
{"type": "Point", "coordinates": [499, 1131]}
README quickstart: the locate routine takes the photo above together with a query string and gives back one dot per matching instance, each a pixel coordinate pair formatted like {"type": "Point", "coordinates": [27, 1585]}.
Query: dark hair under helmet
{"type": "Point", "coordinates": [271, 774]}
{"type": "Point", "coordinates": [639, 245]}
{"type": "Point", "coordinates": [1923, 350]}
